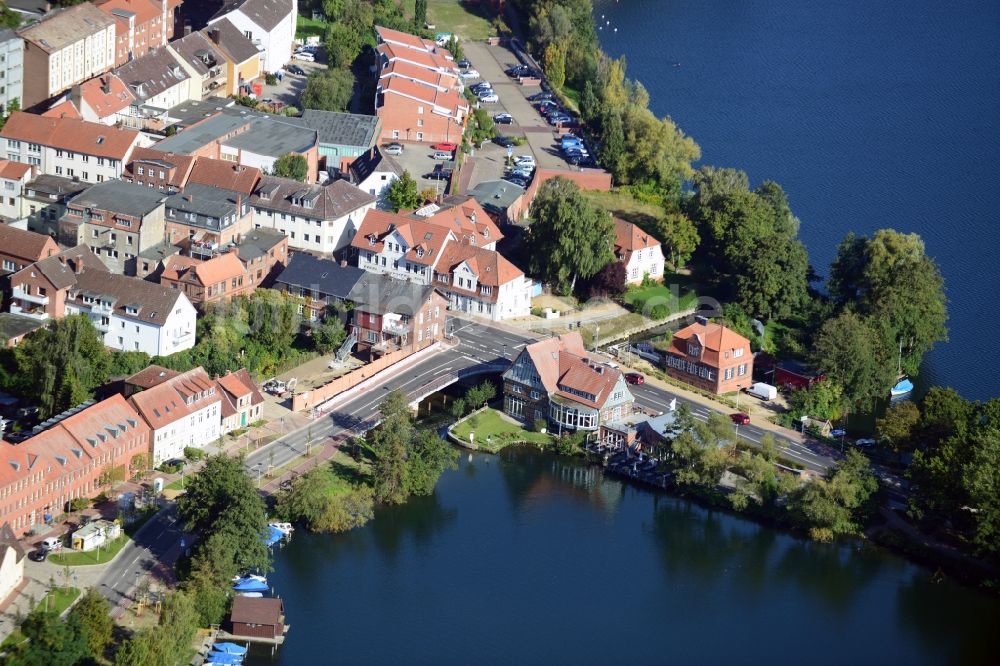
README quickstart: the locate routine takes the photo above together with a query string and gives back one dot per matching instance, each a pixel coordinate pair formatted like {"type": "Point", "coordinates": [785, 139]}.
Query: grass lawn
{"type": "Point", "coordinates": [59, 599]}
{"type": "Point", "coordinates": [72, 558]}
{"type": "Point", "coordinates": [611, 328]}
{"type": "Point", "coordinates": [307, 27]}
{"type": "Point", "coordinates": [465, 20]}
{"type": "Point", "coordinates": [675, 293]}
{"type": "Point", "coordinates": [627, 207]}
{"type": "Point", "coordinates": [490, 427]}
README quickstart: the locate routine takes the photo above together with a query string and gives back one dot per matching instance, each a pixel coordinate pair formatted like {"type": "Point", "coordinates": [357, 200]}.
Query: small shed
{"type": "Point", "coordinates": [95, 534]}
{"type": "Point", "coordinates": [257, 617]}
{"type": "Point", "coordinates": [795, 375]}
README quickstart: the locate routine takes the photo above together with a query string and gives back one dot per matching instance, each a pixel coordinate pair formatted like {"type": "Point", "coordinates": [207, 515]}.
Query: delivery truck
{"type": "Point", "coordinates": [763, 391]}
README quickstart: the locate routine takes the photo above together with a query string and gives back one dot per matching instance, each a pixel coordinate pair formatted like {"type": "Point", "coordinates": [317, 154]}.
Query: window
{"type": "Point", "coordinates": [738, 352]}
{"type": "Point", "coordinates": [420, 136]}
{"type": "Point", "coordinates": [742, 370]}
{"type": "Point", "coordinates": [395, 135]}
{"type": "Point", "coordinates": [59, 171]}
{"type": "Point", "coordinates": [729, 373]}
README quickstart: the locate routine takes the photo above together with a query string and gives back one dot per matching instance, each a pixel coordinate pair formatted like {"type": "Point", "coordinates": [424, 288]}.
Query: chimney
{"type": "Point", "coordinates": [213, 34]}
{"type": "Point", "coordinates": [239, 204]}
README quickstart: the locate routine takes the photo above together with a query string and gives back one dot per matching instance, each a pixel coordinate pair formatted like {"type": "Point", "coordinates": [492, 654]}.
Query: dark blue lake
{"type": "Point", "coordinates": [869, 114]}
{"type": "Point", "coordinates": [527, 558]}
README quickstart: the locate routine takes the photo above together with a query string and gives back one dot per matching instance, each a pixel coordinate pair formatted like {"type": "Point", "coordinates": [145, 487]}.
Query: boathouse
{"type": "Point", "coordinates": [257, 617]}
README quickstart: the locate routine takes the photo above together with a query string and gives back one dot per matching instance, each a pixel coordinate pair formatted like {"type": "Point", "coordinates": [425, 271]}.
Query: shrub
{"type": "Point", "coordinates": [271, 79]}
{"type": "Point", "coordinates": [193, 454]}
{"type": "Point", "coordinates": [539, 425]}
{"type": "Point", "coordinates": [661, 311]}
{"type": "Point", "coordinates": [171, 468]}
{"type": "Point", "coordinates": [79, 504]}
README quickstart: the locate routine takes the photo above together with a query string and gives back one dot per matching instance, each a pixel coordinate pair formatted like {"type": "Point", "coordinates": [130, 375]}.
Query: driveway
{"type": "Point", "coordinates": [491, 61]}
{"type": "Point", "coordinates": [290, 88]}
{"type": "Point", "coordinates": [417, 158]}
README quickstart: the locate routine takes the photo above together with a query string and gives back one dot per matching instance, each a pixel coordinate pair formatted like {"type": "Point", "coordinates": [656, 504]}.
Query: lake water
{"type": "Point", "coordinates": [527, 558]}
{"type": "Point", "coordinates": [870, 114]}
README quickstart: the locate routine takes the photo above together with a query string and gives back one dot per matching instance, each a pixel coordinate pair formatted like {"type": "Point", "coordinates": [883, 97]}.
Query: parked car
{"type": "Point", "coordinates": [570, 140]}
{"type": "Point", "coordinates": [517, 180]}
{"type": "Point", "coordinates": [438, 174]}
{"type": "Point", "coordinates": [442, 155]}
{"type": "Point", "coordinates": [52, 543]}
{"type": "Point", "coordinates": [523, 173]}
{"type": "Point", "coordinates": [490, 98]}
{"type": "Point", "coordinates": [38, 555]}
{"type": "Point", "coordinates": [739, 418]}
{"type": "Point", "coordinates": [503, 119]}
{"type": "Point", "coordinates": [295, 69]}
{"type": "Point", "coordinates": [864, 443]}
{"type": "Point", "coordinates": [546, 105]}
{"type": "Point", "coordinates": [469, 74]}
{"type": "Point", "coordinates": [634, 378]}
{"type": "Point", "coordinates": [763, 391]}
{"type": "Point", "coordinates": [515, 70]}
{"type": "Point", "coordinates": [525, 160]}
{"type": "Point", "coordinates": [393, 149]}
{"type": "Point", "coordinates": [559, 119]}
{"type": "Point", "coordinates": [573, 160]}
{"type": "Point", "coordinates": [481, 86]}
{"type": "Point", "coordinates": [541, 97]}
{"type": "Point", "coordinates": [838, 432]}
{"type": "Point", "coordinates": [463, 63]}
{"type": "Point", "coordinates": [445, 145]}
{"type": "Point", "coordinates": [503, 141]}
{"type": "Point", "coordinates": [305, 56]}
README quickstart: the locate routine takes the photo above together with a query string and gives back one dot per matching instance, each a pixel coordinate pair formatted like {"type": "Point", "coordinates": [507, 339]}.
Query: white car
{"type": "Point", "coordinates": [525, 161]}
{"type": "Point", "coordinates": [491, 98]}
{"type": "Point", "coordinates": [306, 56]}
{"type": "Point", "coordinates": [469, 74]}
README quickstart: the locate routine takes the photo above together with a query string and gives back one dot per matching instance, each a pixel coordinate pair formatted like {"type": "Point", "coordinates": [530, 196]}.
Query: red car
{"type": "Point", "coordinates": [634, 378]}
{"type": "Point", "coordinates": [739, 418]}
{"type": "Point", "coordinates": [447, 145]}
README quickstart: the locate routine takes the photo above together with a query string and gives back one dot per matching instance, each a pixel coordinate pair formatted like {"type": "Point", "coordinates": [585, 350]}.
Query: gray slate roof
{"type": "Point", "coordinates": [204, 200]}
{"type": "Point", "coordinates": [155, 303]}
{"type": "Point", "coordinates": [496, 195]}
{"type": "Point", "coordinates": [381, 294]}
{"type": "Point", "coordinates": [58, 186]}
{"type": "Point", "coordinates": [9, 540]}
{"type": "Point", "coordinates": [257, 243]}
{"type": "Point", "coordinates": [152, 73]}
{"type": "Point", "coordinates": [58, 29]}
{"type": "Point", "coordinates": [265, 13]}
{"type": "Point", "coordinates": [198, 51]}
{"type": "Point", "coordinates": [331, 201]}
{"type": "Point", "coordinates": [120, 197]}
{"type": "Point", "coordinates": [15, 325]}
{"type": "Point", "coordinates": [323, 275]}
{"type": "Point", "coordinates": [232, 41]}
{"type": "Point", "coordinates": [364, 165]}
{"type": "Point", "coordinates": [345, 129]}
{"type": "Point", "coordinates": [59, 269]}
{"type": "Point", "coordinates": [274, 137]}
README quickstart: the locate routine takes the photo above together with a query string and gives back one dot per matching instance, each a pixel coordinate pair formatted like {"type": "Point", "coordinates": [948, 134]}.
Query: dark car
{"type": "Point", "coordinates": [517, 180]}
{"type": "Point", "coordinates": [295, 69]}
{"type": "Point", "coordinates": [516, 70]}
{"type": "Point", "coordinates": [634, 378]}
{"type": "Point", "coordinates": [38, 555]}
{"type": "Point", "coordinates": [463, 63]}
{"type": "Point", "coordinates": [443, 174]}
{"type": "Point", "coordinates": [739, 418]}
{"type": "Point", "coordinates": [480, 87]}
{"type": "Point", "coordinates": [503, 119]}
{"type": "Point", "coordinates": [541, 97]}
{"type": "Point", "coordinates": [573, 160]}
{"type": "Point", "coordinates": [504, 141]}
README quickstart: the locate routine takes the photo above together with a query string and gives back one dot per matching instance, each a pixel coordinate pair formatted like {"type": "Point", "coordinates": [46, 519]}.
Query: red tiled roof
{"type": "Point", "coordinates": [223, 174]}
{"type": "Point", "coordinates": [117, 98]}
{"type": "Point", "coordinates": [143, 9]}
{"type": "Point", "coordinates": [586, 179]}
{"type": "Point", "coordinates": [714, 340]}
{"type": "Point", "coordinates": [63, 110]}
{"type": "Point", "coordinates": [71, 134]}
{"type": "Point", "coordinates": [181, 163]}
{"type": "Point", "coordinates": [26, 245]}
{"type": "Point", "coordinates": [13, 170]}
{"type": "Point", "coordinates": [404, 38]}
{"type": "Point", "coordinates": [629, 237]}
{"type": "Point", "coordinates": [447, 80]}
{"type": "Point", "coordinates": [545, 354]}
{"type": "Point", "coordinates": [217, 269]}
{"type": "Point", "coordinates": [467, 218]}
{"type": "Point", "coordinates": [436, 61]}
{"type": "Point", "coordinates": [421, 235]}
{"type": "Point", "coordinates": [491, 268]}
{"type": "Point", "coordinates": [151, 376]}
{"type": "Point", "coordinates": [580, 372]}
{"type": "Point", "coordinates": [414, 92]}
{"type": "Point", "coordinates": [165, 403]}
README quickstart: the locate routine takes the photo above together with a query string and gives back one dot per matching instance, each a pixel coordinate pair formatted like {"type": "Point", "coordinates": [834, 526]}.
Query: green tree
{"type": "Point", "coordinates": [388, 442]}
{"type": "Point", "coordinates": [554, 63]}
{"type": "Point", "coordinates": [855, 355]}
{"type": "Point", "coordinates": [328, 90]}
{"type": "Point", "coordinates": [570, 237]}
{"type": "Point", "coordinates": [981, 480]}
{"type": "Point", "coordinates": [590, 106]}
{"type": "Point", "coordinates": [420, 15]}
{"type": "Point", "coordinates": [273, 318]}
{"type": "Point", "coordinates": [613, 147]}
{"type": "Point", "coordinates": [898, 424]}
{"type": "Point", "coordinates": [51, 642]}
{"type": "Point", "coordinates": [427, 457]}
{"type": "Point", "coordinates": [291, 165]}
{"type": "Point", "coordinates": [454, 47]}
{"type": "Point", "coordinates": [93, 614]}
{"type": "Point", "coordinates": [402, 193]}
{"type": "Point", "coordinates": [209, 592]}
{"type": "Point", "coordinates": [479, 395]}
{"type": "Point", "coordinates": [836, 506]}
{"type": "Point", "coordinates": [328, 334]}
{"type": "Point", "coordinates": [823, 400]}
{"type": "Point", "coordinates": [774, 280]}
{"type": "Point", "coordinates": [679, 236]}
{"type": "Point", "coordinates": [343, 44]}
{"type": "Point", "coordinates": [9, 18]}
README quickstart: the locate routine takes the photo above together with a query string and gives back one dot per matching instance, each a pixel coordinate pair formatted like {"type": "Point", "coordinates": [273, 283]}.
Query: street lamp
{"type": "Point", "coordinates": [505, 350]}
{"type": "Point", "coordinates": [258, 467]}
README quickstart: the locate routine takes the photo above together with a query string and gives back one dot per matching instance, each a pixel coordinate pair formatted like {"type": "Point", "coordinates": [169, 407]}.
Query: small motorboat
{"type": "Point", "coordinates": [237, 579]}
{"type": "Point", "coordinates": [229, 648]}
{"type": "Point", "coordinates": [255, 595]}
{"type": "Point", "coordinates": [284, 528]}
{"type": "Point", "coordinates": [251, 585]}
{"type": "Point", "coordinates": [224, 658]}
{"type": "Point", "coordinates": [903, 388]}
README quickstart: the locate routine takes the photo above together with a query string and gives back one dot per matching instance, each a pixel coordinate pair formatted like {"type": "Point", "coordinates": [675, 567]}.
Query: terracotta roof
{"type": "Point", "coordinates": [168, 401]}
{"type": "Point", "coordinates": [64, 109]}
{"type": "Point", "coordinates": [424, 240]}
{"type": "Point", "coordinates": [26, 245]}
{"type": "Point", "coordinates": [545, 355]}
{"type": "Point", "coordinates": [408, 70]}
{"type": "Point", "coordinates": [205, 273]}
{"type": "Point", "coordinates": [435, 61]}
{"type": "Point", "coordinates": [490, 267]}
{"type": "Point", "coordinates": [329, 202]}
{"type": "Point", "coordinates": [144, 10]}
{"type": "Point", "coordinates": [234, 44]}
{"type": "Point", "coordinates": [106, 95]}
{"type": "Point", "coordinates": [404, 38]}
{"type": "Point", "coordinates": [225, 175]}
{"type": "Point", "coordinates": [257, 610]}
{"type": "Point", "coordinates": [239, 384]}
{"type": "Point", "coordinates": [72, 134]}
{"type": "Point", "coordinates": [180, 164]}
{"type": "Point", "coordinates": [13, 170]}
{"type": "Point", "coordinates": [578, 372]}
{"type": "Point", "coordinates": [63, 27]}
{"type": "Point", "coordinates": [449, 100]}
{"type": "Point", "coordinates": [151, 376]}
{"type": "Point", "coordinates": [629, 237]}
{"type": "Point", "coordinates": [466, 217]}
{"type": "Point", "coordinates": [714, 340]}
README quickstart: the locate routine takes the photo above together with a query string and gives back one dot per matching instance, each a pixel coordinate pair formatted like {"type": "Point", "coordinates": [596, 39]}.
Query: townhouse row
{"type": "Point", "coordinates": [158, 413]}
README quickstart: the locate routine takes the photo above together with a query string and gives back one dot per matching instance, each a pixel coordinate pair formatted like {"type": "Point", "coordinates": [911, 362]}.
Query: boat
{"type": "Point", "coordinates": [255, 595]}
{"type": "Point", "coordinates": [224, 658]}
{"type": "Point", "coordinates": [250, 585]}
{"type": "Point", "coordinates": [284, 528]}
{"type": "Point", "coordinates": [903, 386]}
{"type": "Point", "coordinates": [230, 648]}
{"type": "Point", "coordinates": [237, 579]}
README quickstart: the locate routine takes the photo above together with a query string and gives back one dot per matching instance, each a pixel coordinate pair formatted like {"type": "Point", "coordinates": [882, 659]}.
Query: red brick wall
{"type": "Point", "coordinates": [404, 118]}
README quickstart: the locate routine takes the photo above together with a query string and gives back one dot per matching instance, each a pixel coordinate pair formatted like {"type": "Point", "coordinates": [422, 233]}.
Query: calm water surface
{"type": "Point", "coordinates": [870, 114]}
{"type": "Point", "coordinates": [525, 558]}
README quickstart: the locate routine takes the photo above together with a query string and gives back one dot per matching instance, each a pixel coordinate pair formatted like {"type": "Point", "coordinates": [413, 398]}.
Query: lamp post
{"type": "Point", "coordinates": [505, 350]}
{"type": "Point", "coordinates": [258, 467]}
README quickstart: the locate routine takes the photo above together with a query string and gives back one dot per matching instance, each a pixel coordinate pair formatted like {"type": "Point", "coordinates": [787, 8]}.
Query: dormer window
{"type": "Point", "coordinates": [694, 349]}
{"type": "Point", "coordinates": [371, 240]}
{"type": "Point", "coordinates": [420, 252]}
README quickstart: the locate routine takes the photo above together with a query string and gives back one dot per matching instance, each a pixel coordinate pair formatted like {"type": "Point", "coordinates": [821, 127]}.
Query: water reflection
{"type": "Point", "coordinates": [420, 518]}
{"type": "Point", "coordinates": [532, 477]}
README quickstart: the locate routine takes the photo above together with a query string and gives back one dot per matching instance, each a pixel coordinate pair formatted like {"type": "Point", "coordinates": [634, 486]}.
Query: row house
{"type": "Point", "coordinates": [242, 401]}
{"type": "Point", "coordinates": [182, 411]}
{"type": "Point", "coordinates": [130, 314]}
{"type": "Point", "coordinates": [316, 218]}
{"type": "Point", "coordinates": [206, 214]}
{"type": "Point", "coordinates": [711, 357]}
{"type": "Point", "coordinates": [262, 253]}
{"type": "Point", "coordinates": [268, 24]}
{"type": "Point", "coordinates": [452, 247]}
{"type": "Point", "coordinates": [204, 63]}
{"type": "Point", "coordinates": [140, 25]}
{"type": "Point", "coordinates": [64, 48]}
{"type": "Point", "coordinates": [13, 177]}
{"type": "Point", "coordinates": [117, 220]}
{"type": "Point", "coordinates": [555, 379]}
{"type": "Point", "coordinates": [249, 138]}
{"type": "Point", "coordinates": [374, 173]}
{"type": "Point", "coordinates": [73, 458]}
{"type": "Point", "coordinates": [69, 147]}
{"type": "Point", "coordinates": [215, 280]}
{"type": "Point", "coordinates": [46, 199]}
{"type": "Point", "coordinates": [104, 99]}
{"type": "Point", "coordinates": [164, 172]}
{"type": "Point", "coordinates": [158, 82]}
{"type": "Point", "coordinates": [11, 67]}
{"type": "Point", "coordinates": [320, 283]}
{"type": "Point", "coordinates": [243, 62]}
{"type": "Point", "coordinates": [20, 248]}
{"type": "Point", "coordinates": [638, 251]}
{"type": "Point", "coordinates": [392, 315]}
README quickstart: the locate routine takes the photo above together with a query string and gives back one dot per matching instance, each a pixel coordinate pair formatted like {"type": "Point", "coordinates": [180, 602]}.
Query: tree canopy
{"type": "Point", "coordinates": [402, 194]}
{"type": "Point", "coordinates": [570, 237]}
{"type": "Point", "coordinates": [328, 90]}
{"type": "Point", "coordinates": [292, 165]}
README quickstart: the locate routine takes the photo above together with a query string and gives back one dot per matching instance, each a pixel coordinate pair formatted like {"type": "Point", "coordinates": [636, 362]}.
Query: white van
{"type": "Point", "coordinates": [763, 391]}
{"type": "Point", "coordinates": [52, 543]}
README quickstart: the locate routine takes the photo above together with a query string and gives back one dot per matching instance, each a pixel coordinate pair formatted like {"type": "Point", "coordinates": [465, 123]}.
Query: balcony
{"type": "Point", "coordinates": [29, 310]}
{"type": "Point", "coordinates": [100, 325]}
{"type": "Point", "coordinates": [22, 295]}
{"type": "Point", "coordinates": [181, 338]}
{"type": "Point", "coordinates": [98, 307]}
{"type": "Point", "coordinates": [395, 326]}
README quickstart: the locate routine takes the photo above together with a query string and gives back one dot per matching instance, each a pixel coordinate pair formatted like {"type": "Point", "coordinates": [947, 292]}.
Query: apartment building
{"type": "Point", "coordinates": [374, 172]}
{"type": "Point", "coordinates": [711, 357]}
{"type": "Point", "coordinates": [69, 147]}
{"type": "Point", "coordinates": [11, 67]}
{"type": "Point", "coordinates": [117, 220]}
{"type": "Point", "coordinates": [638, 251]}
{"type": "Point", "coordinates": [204, 63]}
{"type": "Point", "coordinates": [182, 411]}
{"type": "Point", "coordinates": [66, 47]}
{"type": "Point", "coordinates": [104, 99]}
{"type": "Point", "coordinates": [317, 218]}
{"type": "Point", "coordinates": [392, 315]}
{"type": "Point", "coordinates": [140, 25]}
{"type": "Point", "coordinates": [45, 199]}
{"type": "Point", "coordinates": [320, 283]}
{"type": "Point", "coordinates": [214, 280]}
{"type": "Point", "coordinates": [158, 82]}
{"type": "Point", "coordinates": [244, 63]}
{"type": "Point", "coordinates": [207, 214]}
{"type": "Point", "coordinates": [20, 248]}
{"type": "Point", "coordinates": [13, 177]}
{"type": "Point", "coordinates": [268, 24]}
{"type": "Point", "coordinates": [242, 401]}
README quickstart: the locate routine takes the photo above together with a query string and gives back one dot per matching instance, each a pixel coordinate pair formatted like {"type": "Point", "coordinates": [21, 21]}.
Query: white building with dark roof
{"type": "Point", "coordinates": [269, 24]}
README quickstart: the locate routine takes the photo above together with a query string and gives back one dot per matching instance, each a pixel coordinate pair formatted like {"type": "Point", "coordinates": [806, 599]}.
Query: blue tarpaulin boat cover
{"type": "Point", "coordinates": [273, 535]}
{"type": "Point", "coordinates": [225, 658]}
{"type": "Point", "coordinates": [230, 648]}
{"type": "Point", "coordinates": [250, 585]}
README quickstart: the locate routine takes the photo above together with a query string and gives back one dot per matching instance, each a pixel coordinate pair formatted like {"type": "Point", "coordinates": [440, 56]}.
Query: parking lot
{"type": "Point", "coordinates": [417, 158]}
{"type": "Point", "coordinates": [289, 89]}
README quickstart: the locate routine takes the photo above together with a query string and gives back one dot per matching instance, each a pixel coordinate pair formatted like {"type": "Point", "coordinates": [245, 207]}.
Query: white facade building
{"type": "Point", "coordinates": [11, 67]}
{"type": "Point", "coordinates": [640, 252]}
{"type": "Point", "coordinates": [269, 24]}
{"type": "Point", "coordinates": [183, 411]}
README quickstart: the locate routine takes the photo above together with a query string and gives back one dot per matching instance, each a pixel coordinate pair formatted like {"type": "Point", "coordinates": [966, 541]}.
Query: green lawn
{"type": "Point", "coordinates": [674, 294]}
{"type": "Point", "coordinates": [624, 205]}
{"type": "Point", "coordinates": [494, 432]}
{"type": "Point", "coordinates": [59, 599]}
{"type": "Point", "coordinates": [307, 27]}
{"type": "Point", "coordinates": [466, 21]}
